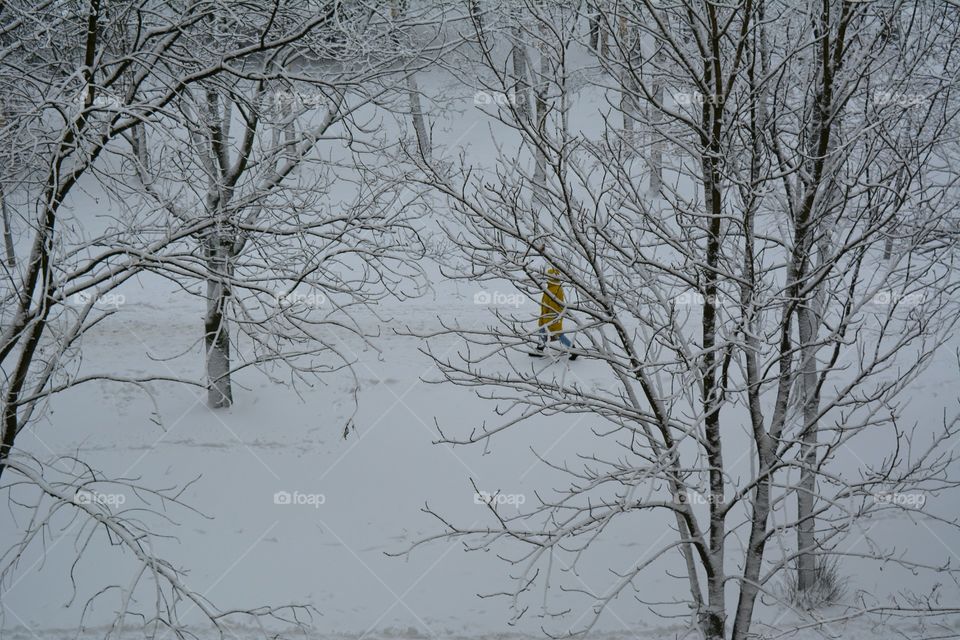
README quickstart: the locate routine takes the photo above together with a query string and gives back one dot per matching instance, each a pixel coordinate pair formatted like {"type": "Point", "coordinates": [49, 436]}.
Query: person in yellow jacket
{"type": "Point", "coordinates": [552, 306]}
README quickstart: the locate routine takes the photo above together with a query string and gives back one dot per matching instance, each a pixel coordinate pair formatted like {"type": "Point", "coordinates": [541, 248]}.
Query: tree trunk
{"type": "Point", "coordinates": [594, 19]}
{"type": "Point", "coordinates": [289, 132]}
{"type": "Point", "coordinates": [809, 316]}
{"type": "Point", "coordinates": [604, 40]}
{"type": "Point", "coordinates": [807, 322]}
{"type": "Point", "coordinates": [628, 88]}
{"type": "Point", "coordinates": [809, 310]}
{"type": "Point", "coordinates": [713, 619]}
{"type": "Point", "coordinates": [540, 169]}
{"type": "Point", "coordinates": [419, 124]}
{"type": "Point", "coordinates": [656, 143]}
{"type": "Point", "coordinates": [7, 231]}
{"type": "Point", "coordinates": [521, 83]}
{"type": "Point", "coordinates": [138, 140]}
{"type": "Point", "coordinates": [424, 144]}
{"type": "Point", "coordinates": [216, 328]}
{"type": "Point", "coordinates": [765, 446]}
{"type": "Point", "coordinates": [656, 118]}
{"type": "Point", "coordinates": [750, 587]}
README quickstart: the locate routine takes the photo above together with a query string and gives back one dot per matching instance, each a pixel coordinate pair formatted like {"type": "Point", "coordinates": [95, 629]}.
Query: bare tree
{"type": "Point", "coordinates": [88, 79]}
{"type": "Point", "coordinates": [282, 240]}
{"type": "Point", "coordinates": [710, 306]}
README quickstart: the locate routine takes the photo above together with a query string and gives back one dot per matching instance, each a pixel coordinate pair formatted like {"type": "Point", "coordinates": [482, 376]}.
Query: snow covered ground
{"type": "Point", "coordinates": [371, 485]}
{"type": "Point", "coordinates": [360, 496]}
{"type": "Point", "coordinates": [307, 494]}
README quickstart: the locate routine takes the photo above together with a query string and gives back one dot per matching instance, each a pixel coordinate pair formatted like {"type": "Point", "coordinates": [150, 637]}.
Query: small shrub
{"type": "Point", "coordinates": [829, 585]}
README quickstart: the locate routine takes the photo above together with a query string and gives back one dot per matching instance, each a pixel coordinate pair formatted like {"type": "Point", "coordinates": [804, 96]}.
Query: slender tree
{"type": "Point", "coordinates": [737, 315]}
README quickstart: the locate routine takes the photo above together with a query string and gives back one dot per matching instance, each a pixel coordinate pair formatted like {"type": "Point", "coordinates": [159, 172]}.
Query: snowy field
{"type": "Point", "coordinates": [330, 496]}
{"type": "Point", "coordinates": [362, 494]}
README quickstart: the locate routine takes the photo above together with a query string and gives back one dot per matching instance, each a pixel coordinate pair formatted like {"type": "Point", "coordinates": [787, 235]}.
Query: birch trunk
{"type": "Point", "coordinates": [765, 445]}
{"type": "Point", "coordinates": [7, 231]}
{"type": "Point", "coordinates": [713, 620]}
{"type": "Point", "coordinates": [809, 310]}
{"type": "Point", "coordinates": [806, 489]}
{"type": "Point", "coordinates": [424, 144]}
{"type": "Point", "coordinates": [628, 88]}
{"type": "Point", "coordinates": [419, 124]}
{"type": "Point", "coordinates": [594, 20]}
{"type": "Point", "coordinates": [604, 45]}
{"type": "Point", "coordinates": [138, 139]}
{"type": "Point", "coordinates": [522, 88]}
{"type": "Point", "coordinates": [216, 327]}
{"type": "Point", "coordinates": [540, 169]}
{"type": "Point", "coordinates": [656, 144]}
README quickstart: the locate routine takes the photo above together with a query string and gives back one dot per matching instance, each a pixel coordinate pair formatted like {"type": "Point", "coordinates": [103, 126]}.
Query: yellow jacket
{"type": "Point", "coordinates": [551, 305]}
